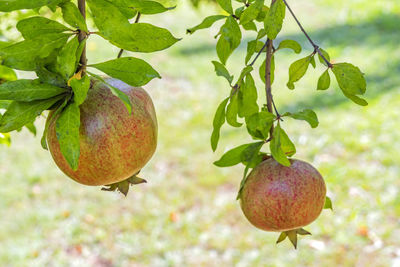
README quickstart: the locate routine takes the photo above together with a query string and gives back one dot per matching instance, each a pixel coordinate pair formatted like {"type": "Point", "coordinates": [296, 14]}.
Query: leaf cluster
{"type": "Point", "coordinates": [241, 107]}
{"type": "Point", "coordinates": [53, 50]}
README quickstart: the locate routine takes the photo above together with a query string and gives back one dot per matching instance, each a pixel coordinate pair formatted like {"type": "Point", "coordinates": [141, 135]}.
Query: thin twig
{"type": "Point", "coordinates": [316, 47]}
{"type": "Point", "coordinates": [259, 53]}
{"type": "Point", "coordinates": [120, 53]}
{"type": "Point", "coordinates": [82, 36]}
{"type": "Point", "coordinates": [138, 17]}
{"type": "Point", "coordinates": [276, 110]}
{"type": "Point", "coordinates": [136, 21]}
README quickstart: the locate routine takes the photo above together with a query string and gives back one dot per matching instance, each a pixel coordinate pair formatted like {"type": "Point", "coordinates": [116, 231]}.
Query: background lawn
{"type": "Point", "coordinates": [187, 214]}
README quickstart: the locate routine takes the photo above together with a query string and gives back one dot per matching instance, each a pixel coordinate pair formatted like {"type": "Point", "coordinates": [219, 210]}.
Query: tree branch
{"type": "Point", "coordinates": [82, 35]}
{"type": "Point", "coordinates": [268, 87]}
{"type": "Point", "coordinates": [316, 47]}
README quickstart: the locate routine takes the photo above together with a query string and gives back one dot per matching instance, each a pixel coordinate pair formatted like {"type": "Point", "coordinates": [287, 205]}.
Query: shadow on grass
{"type": "Point", "coordinates": [380, 31]}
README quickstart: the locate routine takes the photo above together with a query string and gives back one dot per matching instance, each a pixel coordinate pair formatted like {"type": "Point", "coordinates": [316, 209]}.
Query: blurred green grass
{"type": "Point", "coordinates": [187, 214]}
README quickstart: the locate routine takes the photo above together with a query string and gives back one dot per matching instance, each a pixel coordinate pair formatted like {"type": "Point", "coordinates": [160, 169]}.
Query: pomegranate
{"type": "Point", "coordinates": [114, 144]}
{"type": "Point", "coordinates": [283, 199]}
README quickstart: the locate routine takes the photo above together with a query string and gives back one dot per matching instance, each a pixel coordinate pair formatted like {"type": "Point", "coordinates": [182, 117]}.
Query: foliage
{"type": "Point", "coordinates": [200, 220]}
{"type": "Point", "coordinates": [241, 106]}
{"type": "Point", "coordinates": [55, 52]}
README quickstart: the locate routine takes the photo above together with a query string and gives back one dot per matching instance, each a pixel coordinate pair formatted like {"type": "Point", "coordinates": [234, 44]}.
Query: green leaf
{"type": "Point", "coordinates": [133, 71]}
{"type": "Point", "coordinates": [261, 33]}
{"type": "Point", "coordinates": [7, 74]}
{"type": "Point", "coordinates": [326, 55]}
{"type": "Point", "coordinates": [32, 128]}
{"type": "Point", "coordinates": [19, 114]}
{"type": "Point", "coordinates": [232, 157]}
{"type": "Point", "coordinates": [122, 5]}
{"type": "Point", "coordinates": [259, 124]}
{"type": "Point", "coordinates": [307, 115]}
{"type": "Point", "coordinates": [118, 93]}
{"type": "Point", "coordinates": [328, 203]}
{"type": "Point", "coordinates": [297, 70]}
{"type": "Point", "coordinates": [24, 55]}
{"type": "Point", "coordinates": [229, 39]}
{"type": "Point", "coordinates": [251, 157]}
{"type": "Point", "coordinates": [145, 37]}
{"type": "Point", "coordinates": [291, 44]}
{"type": "Point", "coordinates": [251, 13]}
{"type": "Point", "coordinates": [274, 19]}
{"type": "Point", "coordinates": [248, 98]}
{"type": "Point", "coordinates": [67, 129]}
{"type": "Point", "coordinates": [222, 71]}
{"type": "Point", "coordinates": [73, 16]}
{"type": "Point", "coordinates": [79, 52]}
{"type": "Point", "coordinates": [250, 26]}
{"type": "Point", "coordinates": [219, 120]}
{"type": "Point", "coordinates": [232, 111]}
{"type": "Point", "coordinates": [146, 7]}
{"type": "Point", "coordinates": [66, 59]}
{"type": "Point", "coordinates": [245, 71]}
{"type": "Point", "coordinates": [324, 81]}
{"type": "Point", "coordinates": [137, 37]}
{"type": "Point", "coordinates": [5, 139]}
{"type": "Point", "coordinates": [262, 70]}
{"type": "Point", "coordinates": [35, 26]}
{"type": "Point", "coordinates": [80, 88]}
{"type": "Point", "coordinates": [206, 23]}
{"type": "Point", "coordinates": [312, 62]}
{"type": "Point", "coordinates": [350, 79]}
{"type": "Point", "coordinates": [263, 12]}
{"type": "Point", "coordinates": [253, 47]}
{"type": "Point", "coordinates": [11, 5]}
{"type": "Point", "coordinates": [238, 11]}
{"type": "Point", "coordinates": [4, 104]}
{"type": "Point", "coordinates": [28, 90]}
{"type": "Point", "coordinates": [357, 100]}
{"type": "Point", "coordinates": [276, 147]}
{"type": "Point", "coordinates": [226, 5]}
{"type": "Point", "coordinates": [50, 119]}
{"type": "Point", "coordinates": [47, 76]}
{"type": "Point", "coordinates": [5, 44]}
{"type": "Point", "coordinates": [287, 145]}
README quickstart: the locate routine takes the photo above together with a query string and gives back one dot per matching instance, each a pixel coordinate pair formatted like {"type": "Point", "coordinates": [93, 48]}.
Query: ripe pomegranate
{"type": "Point", "coordinates": [114, 144]}
{"type": "Point", "coordinates": [283, 199]}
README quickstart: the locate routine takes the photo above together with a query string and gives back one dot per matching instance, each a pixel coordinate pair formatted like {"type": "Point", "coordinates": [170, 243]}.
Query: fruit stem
{"type": "Point", "coordinates": [82, 36]}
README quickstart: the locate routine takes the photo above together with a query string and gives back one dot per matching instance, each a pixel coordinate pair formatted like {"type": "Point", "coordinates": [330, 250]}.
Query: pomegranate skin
{"type": "Point", "coordinates": [114, 145]}
{"type": "Point", "coordinates": [278, 198]}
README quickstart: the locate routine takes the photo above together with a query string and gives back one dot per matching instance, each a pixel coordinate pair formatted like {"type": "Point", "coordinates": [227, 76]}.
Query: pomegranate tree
{"type": "Point", "coordinates": [280, 194]}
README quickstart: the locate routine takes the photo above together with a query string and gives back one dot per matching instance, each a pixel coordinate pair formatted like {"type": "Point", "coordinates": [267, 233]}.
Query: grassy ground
{"type": "Point", "coordinates": [187, 214]}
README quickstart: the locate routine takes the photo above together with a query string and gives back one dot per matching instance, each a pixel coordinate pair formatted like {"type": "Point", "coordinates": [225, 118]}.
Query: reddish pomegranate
{"type": "Point", "coordinates": [115, 145]}
{"type": "Point", "coordinates": [282, 199]}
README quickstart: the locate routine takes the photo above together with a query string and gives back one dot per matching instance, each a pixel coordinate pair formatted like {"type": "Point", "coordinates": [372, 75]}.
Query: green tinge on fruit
{"type": "Point", "coordinates": [280, 199]}
{"type": "Point", "coordinates": [114, 144]}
